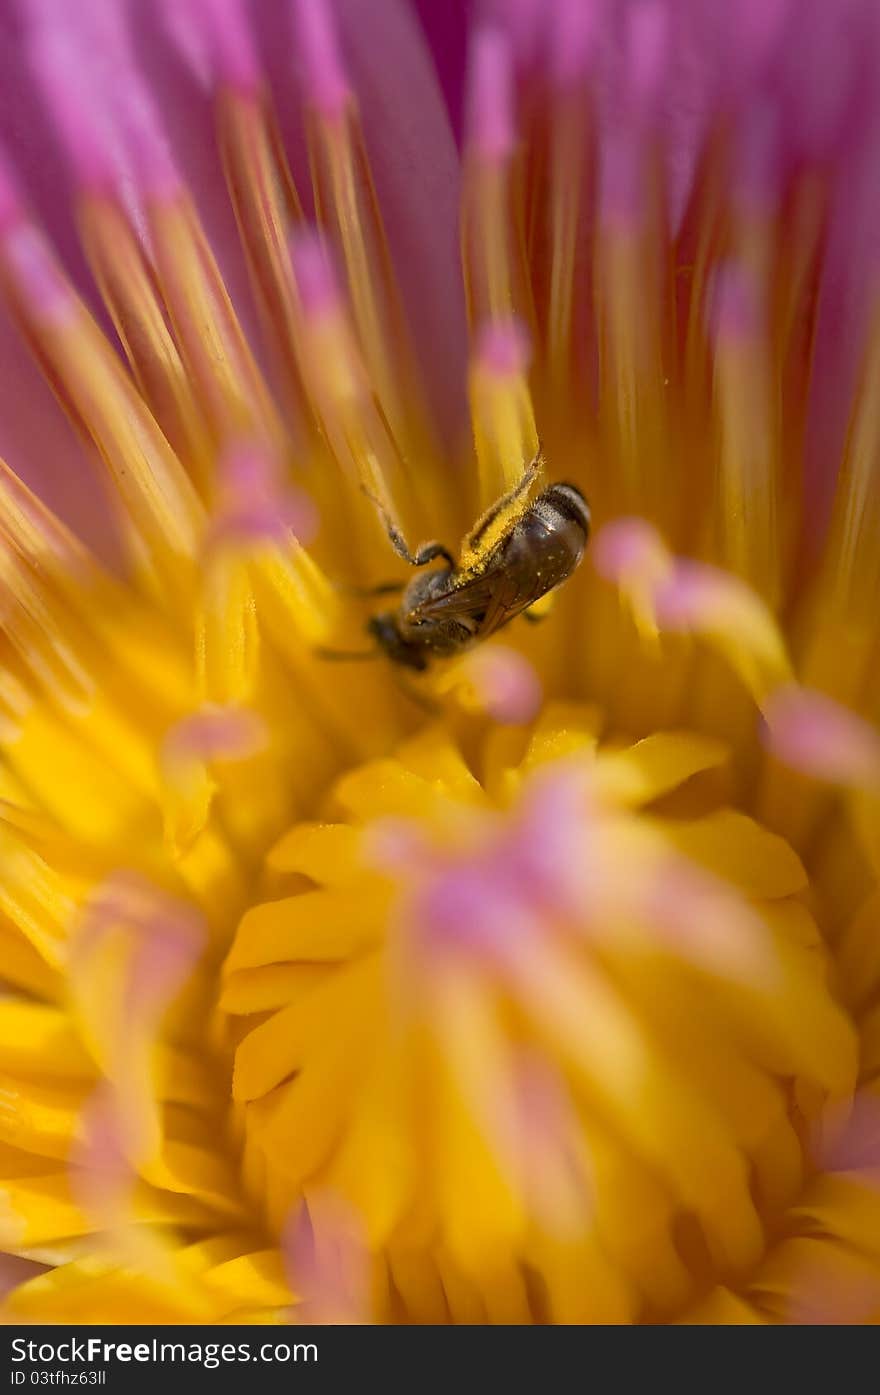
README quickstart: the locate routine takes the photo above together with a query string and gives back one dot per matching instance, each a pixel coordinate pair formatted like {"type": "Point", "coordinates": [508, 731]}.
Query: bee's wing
{"type": "Point", "coordinates": [490, 598]}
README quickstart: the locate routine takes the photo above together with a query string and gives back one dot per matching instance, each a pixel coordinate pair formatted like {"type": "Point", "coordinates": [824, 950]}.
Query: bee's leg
{"type": "Point", "coordinates": [344, 656]}
{"type": "Point", "coordinates": [424, 553]}
{"type": "Point", "coordinates": [506, 504]}
{"type": "Point", "coordinates": [363, 593]}
{"type": "Point", "coordinates": [427, 552]}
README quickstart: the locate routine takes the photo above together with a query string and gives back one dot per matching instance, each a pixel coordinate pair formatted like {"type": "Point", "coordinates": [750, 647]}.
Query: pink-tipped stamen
{"type": "Point", "coordinates": [503, 348]}
{"type": "Point", "coordinates": [394, 845]}
{"type": "Point", "coordinates": [255, 505]}
{"type": "Point", "coordinates": [574, 27]}
{"type": "Point", "coordinates": [491, 124]}
{"type": "Point", "coordinates": [324, 78]}
{"type": "Point", "coordinates": [315, 276]}
{"type": "Point", "coordinates": [524, 24]}
{"type": "Point", "coordinates": [623, 180]}
{"type": "Point", "coordinates": [815, 735]}
{"type": "Point", "coordinates": [327, 1260]}
{"type": "Point", "coordinates": [470, 907]}
{"type": "Point", "coordinates": [129, 901]}
{"type": "Point", "coordinates": [758, 161]}
{"type": "Point", "coordinates": [84, 131]}
{"type": "Point", "coordinates": [692, 595]}
{"type": "Point", "coordinates": [102, 1174]}
{"type": "Point", "coordinates": [504, 684]}
{"type": "Point", "coordinates": [647, 54]}
{"type": "Point", "coordinates": [38, 278]}
{"type": "Point", "coordinates": [147, 147]}
{"type": "Point", "coordinates": [182, 22]}
{"type": "Point", "coordinates": [628, 547]}
{"type": "Point", "coordinates": [734, 308]}
{"type": "Point", "coordinates": [216, 734]}
{"type": "Point", "coordinates": [231, 43]}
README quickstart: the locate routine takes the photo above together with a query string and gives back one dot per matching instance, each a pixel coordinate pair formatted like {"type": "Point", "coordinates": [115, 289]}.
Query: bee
{"type": "Point", "coordinates": [452, 608]}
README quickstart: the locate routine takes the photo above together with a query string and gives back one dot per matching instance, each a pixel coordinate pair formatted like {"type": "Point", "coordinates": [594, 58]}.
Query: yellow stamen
{"type": "Point", "coordinates": [346, 203]}
{"type": "Point", "coordinates": [493, 254]}
{"type": "Point", "coordinates": [633, 375]}
{"type": "Point", "coordinates": [221, 367]}
{"type": "Point", "coordinates": [505, 432]}
{"type": "Point", "coordinates": [840, 623]}
{"type": "Point", "coordinates": [128, 287]}
{"type": "Point", "coordinates": [746, 512]}
{"type": "Point", "coordinates": [266, 207]}
{"type": "Point", "coordinates": [162, 516]}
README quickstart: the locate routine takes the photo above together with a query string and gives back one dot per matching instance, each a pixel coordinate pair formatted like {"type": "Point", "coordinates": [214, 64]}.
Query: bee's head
{"type": "Point", "coordinates": [386, 632]}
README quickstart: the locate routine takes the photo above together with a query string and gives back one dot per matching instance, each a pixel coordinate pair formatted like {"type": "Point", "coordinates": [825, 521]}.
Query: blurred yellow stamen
{"type": "Point", "coordinates": [571, 150]}
{"type": "Point", "coordinates": [128, 286]}
{"type": "Point", "coordinates": [492, 232]}
{"type": "Point", "coordinates": [840, 638]}
{"type": "Point", "coordinates": [227, 638]}
{"type": "Point", "coordinates": [633, 373]}
{"type": "Point", "coordinates": [505, 434]}
{"type": "Point", "coordinates": [746, 509]}
{"type": "Point", "coordinates": [266, 207]}
{"type": "Point", "coordinates": [162, 515]}
{"type": "Point", "coordinates": [221, 367]}
{"type": "Point", "coordinates": [340, 389]}
{"type": "Point", "coordinates": [346, 203]}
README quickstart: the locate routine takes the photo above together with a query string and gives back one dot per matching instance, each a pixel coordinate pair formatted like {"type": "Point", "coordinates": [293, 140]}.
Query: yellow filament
{"type": "Point", "coordinates": [493, 245]}
{"type": "Point", "coordinates": [350, 416]}
{"type": "Point", "coordinates": [41, 634]}
{"type": "Point", "coordinates": [800, 272]}
{"type": "Point", "coordinates": [100, 614]}
{"type": "Point", "coordinates": [632, 391]}
{"type": "Point", "coordinates": [840, 622]}
{"type": "Point", "coordinates": [266, 207]}
{"type": "Point", "coordinates": [162, 514]}
{"type": "Point", "coordinates": [227, 639]}
{"type": "Point", "coordinates": [129, 290]}
{"type": "Point", "coordinates": [505, 432]}
{"type": "Point", "coordinates": [15, 698]}
{"type": "Point", "coordinates": [746, 507]}
{"type": "Point", "coordinates": [40, 538]}
{"type": "Point", "coordinates": [220, 364]}
{"type": "Point", "coordinates": [346, 202]}
{"type": "Point", "coordinates": [567, 160]}
{"type": "Point", "coordinates": [298, 597]}
{"type": "Point", "coordinates": [853, 557]}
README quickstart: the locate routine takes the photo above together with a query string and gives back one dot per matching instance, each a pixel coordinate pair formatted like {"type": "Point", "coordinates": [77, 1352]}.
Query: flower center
{"type": "Point", "coordinates": [533, 1003]}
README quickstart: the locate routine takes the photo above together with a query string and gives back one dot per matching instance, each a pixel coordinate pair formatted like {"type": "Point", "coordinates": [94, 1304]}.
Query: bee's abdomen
{"type": "Point", "coordinates": [554, 535]}
{"type": "Point", "coordinates": [566, 504]}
